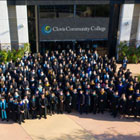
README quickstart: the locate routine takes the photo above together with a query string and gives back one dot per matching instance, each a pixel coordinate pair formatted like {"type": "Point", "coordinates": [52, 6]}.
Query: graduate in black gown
{"type": "Point", "coordinates": [130, 106]}
{"type": "Point", "coordinates": [43, 102]}
{"type": "Point", "coordinates": [137, 103]}
{"type": "Point", "coordinates": [61, 99]}
{"type": "Point", "coordinates": [122, 105]}
{"type": "Point", "coordinates": [87, 102]}
{"type": "Point", "coordinates": [102, 100]}
{"type": "Point", "coordinates": [68, 102]}
{"type": "Point", "coordinates": [21, 111]}
{"type": "Point", "coordinates": [115, 103]}
{"type": "Point", "coordinates": [94, 102]}
{"type": "Point", "coordinates": [53, 103]}
{"type": "Point", "coordinates": [81, 102]}
{"type": "Point", "coordinates": [33, 107]}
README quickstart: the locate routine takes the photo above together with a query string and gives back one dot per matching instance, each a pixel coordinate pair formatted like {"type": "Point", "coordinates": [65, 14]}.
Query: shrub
{"type": "Point", "coordinates": [131, 52]}
{"type": "Point", "coordinates": [6, 56]}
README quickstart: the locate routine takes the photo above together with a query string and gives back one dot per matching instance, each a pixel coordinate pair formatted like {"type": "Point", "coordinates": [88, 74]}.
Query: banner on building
{"type": "Point", "coordinates": [73, 28]}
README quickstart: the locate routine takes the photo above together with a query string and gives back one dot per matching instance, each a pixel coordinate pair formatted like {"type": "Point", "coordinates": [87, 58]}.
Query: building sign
{"type": "Point", "coordinates": [73, 28]}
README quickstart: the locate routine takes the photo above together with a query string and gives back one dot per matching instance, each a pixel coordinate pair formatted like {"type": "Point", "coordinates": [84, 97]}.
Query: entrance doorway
{"type": "Point", "coordinates": [100, 46]}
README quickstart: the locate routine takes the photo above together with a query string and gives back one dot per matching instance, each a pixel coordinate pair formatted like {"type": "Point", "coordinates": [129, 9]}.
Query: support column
{"type": "Point", "coordinates": [22, 25]}
{"type": "Point", "coordinates": [37, 26]}
{"type": "Point", "coordinates": [126, 17]}
{"type": "Point", "coordinates": [5, 42]}
{"type": "Point", "coordinates": [13, 26]}
{"type": "Point", "coordinates": [113, 28]}
{"type": "Point", "coordinates": [134, 28]}
{"type": "Point", "coordinates": [138, 29]}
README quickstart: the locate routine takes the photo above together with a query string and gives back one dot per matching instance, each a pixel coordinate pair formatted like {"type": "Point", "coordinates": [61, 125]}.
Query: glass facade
{"type": "Point", "coordinates": [62, 11]}
{"type": "Point", "coordinates": [53, 11]}
{"type": "Point", "coordinates": [66, 11]}
{"type": "Point", "coordinates": [92, 11]}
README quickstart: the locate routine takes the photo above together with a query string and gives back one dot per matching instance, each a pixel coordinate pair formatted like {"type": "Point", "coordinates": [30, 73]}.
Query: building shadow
{"type": "Point", "coordinates": [105, 117]}
{"type": "Point", "coordinates": [7, 122]}
{"type": "Point", "coordinates": [84, 135]}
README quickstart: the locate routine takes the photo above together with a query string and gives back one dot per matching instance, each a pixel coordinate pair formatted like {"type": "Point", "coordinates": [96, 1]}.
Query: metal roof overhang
{"type": "Point", "coordinates": [68, 2]}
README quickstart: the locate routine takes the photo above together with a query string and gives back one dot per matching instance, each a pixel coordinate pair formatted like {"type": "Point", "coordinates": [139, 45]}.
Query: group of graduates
{"type": "Point", "coordinates": [67, 80]}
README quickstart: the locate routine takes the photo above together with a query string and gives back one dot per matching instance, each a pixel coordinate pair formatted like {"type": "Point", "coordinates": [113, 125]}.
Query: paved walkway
{"type": "Point", "coordinates": [105, 127]}
{"type": "Point", "coordinates": [12, 131]}
{"type": "Point", "coordinates": [73, 127]}
{"type": "Point", "coordinates": [57, 127]}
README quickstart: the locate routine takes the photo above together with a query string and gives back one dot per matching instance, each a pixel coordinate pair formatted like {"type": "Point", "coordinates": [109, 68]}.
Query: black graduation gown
{"type": "Point", "coordinates": [26, 110]}
{"type": "Point", "coordinates": [74, 101]}
{"type": "Point", "coordinates": [10, 110]}
{"type": "Point", "coordinates": [68, 102]}
{"type": "Point", "coordinates": [81, 102]}
{"type": "Point", "coordinates": [94, 103]}
{"type": "Point", "coordinates": [33, 108]}
{"type": "Point", "coordinates": [61, 103]}
{"type": "Point", "coordinates": [137, 105]}
{"type": "Point", "coordinates": [21, 117]}
{"type": "Point", "coordinates": [87, 103]}
{"type": "Point", "coordinates": [53, 104]}
{"type": "Point", "coordinates": [15, 112]}
{"type": "Point", "coordinates": [122, 106]}
{"type": "Point", "coordinates": [43, 111]}
{"type": "Point", "coordinates": [102, 102]}
{"type": "Point", "coordinates": [130, 106]}
{"type": "Point", "coordinates": [115, 105]}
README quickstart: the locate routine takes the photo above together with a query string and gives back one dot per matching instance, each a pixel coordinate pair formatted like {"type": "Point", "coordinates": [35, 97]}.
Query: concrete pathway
{"type": "Point", "coordinates": [57, 127]}
{"type": "Point", "coordinates": [105, 127]}
{"type": "Point", "coordinates": [73, 127]}
{"type": "Point", "coordinates": [12, 131]}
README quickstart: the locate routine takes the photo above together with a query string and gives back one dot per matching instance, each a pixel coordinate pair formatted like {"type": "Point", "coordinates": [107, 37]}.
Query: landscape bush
{"type": "Point", "coordinates": [14, 54]}
{"type": "Point", "coordinates": [131, 52]}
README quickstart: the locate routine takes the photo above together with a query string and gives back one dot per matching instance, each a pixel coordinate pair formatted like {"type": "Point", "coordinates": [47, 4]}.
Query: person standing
{"type": "Point", "coordinates": [94, 101]}
{"type": "Point", "coordinates": [130, 105]}
{"type": "Point", "coordinates": [26, 103]}
{"type": "Point", "coordinates": [137, 103]}
{"type": "Point", "coordinates": [81, 102]}
{"type": "Point", "coordinates": [3, 106]}
{"type": "Point", "coordinates": [115, 103]}
{"type": "Point", "coordinates": [33, 107]}
{"type": "Point", "coordinates": [87, 102]}
{"type": "Point", "coordinates": [43, 102]}
{"type": "Point", "coordinates": [21, 112]}
{"type": "Point", "coordinates": [53, 103]}
{"type": "Point", "coordinates": [68, 102]}
{"type": "Point", "coordinates": [74, 99]}
{"type": "Point", "coordinates": [15, 110]}
{"type": "Point", "coordinates": [61, 102]}
{"type": "Point", "coordinates": [102, 100]}
{"type": "Point", "coordinates": [122, 105]}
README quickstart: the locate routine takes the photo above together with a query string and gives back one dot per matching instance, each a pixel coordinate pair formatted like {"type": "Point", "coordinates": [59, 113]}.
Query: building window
{"type": "Point", "coordinates": [59, 11]}
{"type": "Point", "coordinates": [92, 11]}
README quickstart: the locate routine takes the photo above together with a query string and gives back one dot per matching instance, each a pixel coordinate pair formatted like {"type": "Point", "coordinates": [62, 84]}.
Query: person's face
{"type": "Point", "coordinates": [116, 93]}
{"type": "Point", "coordinates": [130, 97]}
{"type": "Point", "coordinates": [137, 91]}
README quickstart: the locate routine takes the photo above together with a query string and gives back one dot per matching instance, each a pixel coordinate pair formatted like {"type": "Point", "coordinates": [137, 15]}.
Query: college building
{"type": "Point", "coordinates": [52, 24]}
